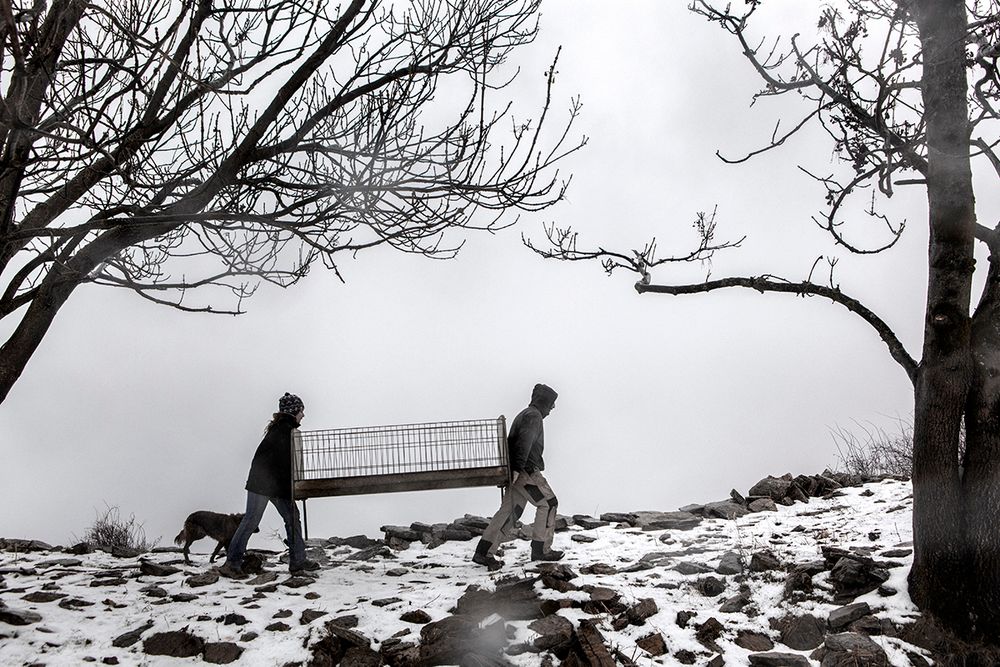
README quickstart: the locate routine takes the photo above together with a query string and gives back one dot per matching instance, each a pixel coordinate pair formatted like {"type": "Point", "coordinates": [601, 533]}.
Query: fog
{"type": "Point", "coordinates": [663, 400]}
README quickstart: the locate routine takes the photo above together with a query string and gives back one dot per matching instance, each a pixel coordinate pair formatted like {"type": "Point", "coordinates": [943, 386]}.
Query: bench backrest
{"type": "Point", "coordinates": [404, 457]}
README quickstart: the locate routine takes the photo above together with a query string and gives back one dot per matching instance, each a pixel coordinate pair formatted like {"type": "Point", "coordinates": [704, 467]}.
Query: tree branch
{"type": "Point", "coordinates": [770, 284]}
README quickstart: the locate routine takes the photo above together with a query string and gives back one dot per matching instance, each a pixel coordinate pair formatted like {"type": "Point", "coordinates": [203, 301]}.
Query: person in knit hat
{"type": "Point", "coordinates": [525, 444]}
{"type": "Point", "coordinates": [270, 481]}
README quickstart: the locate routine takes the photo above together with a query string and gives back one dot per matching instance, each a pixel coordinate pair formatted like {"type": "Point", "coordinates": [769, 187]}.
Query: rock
{"type": "Point", "coordinates": [753, 641]}
{"type": "Point", "coordinates": [588, 522]}
{"type": "Point", "coordinates": [582, 538]}
{"type": "Point", "coordinates": [457, 535]}
{"type": "Point", "coordinates": [802, 633]}
{"type": "Point", "coordinates": [686, 657]}
{"type": "Point", "coordinates": [474, 522]}
{"type": "Point", "coordinates": [798, 581]}
{"type": "Point", "coordinates": [637, 614]}
{"type": "Point", "coordinates": [620, 517]}
{"type": "Point", "coordinates": [553, 631]}
{"type": "Point", "coordinates": [345, 622]}
{"type": "Point", "coordinates": [156, 570]}
{"type": "Point", "coordinates": [706, 633]}
{"type": "Point", "coordinates": [735, 604]}
{"type": "Point", "coordinates": [175, 643]}
{"type": "Point", "coordinates": [603, 594]}
{"type": "Point", "coordinates": [776, 659]}
{"type": "Point", "coordinates": [730, 563]}
{"type": "Point", "coordinates": [12, 616]}
{"type": "Point", "coordinates": [131, 637]}
{"type": "Point", "coordinates": [666, 520]}
{"type": "Point", "coordinates": [852, 577]}
{"type": "Point", "coordinates": [774, 488]}
{"type": "Point", "coordinates": [854, 650]}
{"type": "Point", "coordinates": [896, 553]}
{"type": "Point", "coordinates": [764, 561]}
{"type": "Point", "coordinates": [842, 617]}
{"type": "Point", "coordinates": [683, 618]}
{"type": "Point", "coordinates": [458, 640]}
{"type": "Point", "coordinates": [795, 492]}
{"type": "Point", "coordinates": [121, 552]}
{"type": "Point", "coordinates": [345, 634]}
{"type": "Point", "coordinates": [599, 568]}
{"type": "Point", "coordinates": [514, 600]}
{"type": "Point", "coordinates": [58, 562]}
{"type": "Point", "coordinates": [278, 626]}
{"type": "Point", "coordinates": [79, 549]}
{"type": "Point", "coordinates": [74, 603]}
{"type": "Point", "coordinates": [400, 533]}
{"type": "Point", "coordinates": [203, 579]}
{"type": "Point", "coordinates": [385, 602]}
{"type": "Point", "coordinates": [725, 510]}
{"type": "Point", "coordinates": [183, 597]}
{"type": "Point", "coordinates": [418, 616]}
{"type": "Point", "coordinates": [396, 572]}
{"type": "Point", "coordinates": [762, 505]}
{"type": "Point", "coordinates": [372, 552]}
{"type": "Point", "coordinates": [421, 528]}
{"type": "Point", "coordinates": [262, 579]}
{"type": "Point", "coordinates": [710, 587]}
{"type": "Point", "coordinates": [233, 619]}
{"type": "Point", "coordinates": [688, 568]}
{"type": "Point", "coordinates": [361, 656]}
{"type": "Point", "coordinates": [589, 647]}
{"type": "Point", "coordinates": [41, 597]}
{"type": "Point", "coordinates": [23, 546]}
{"type": "Point", "coordinates": [222, 653]}
{"type": "Point", "coordinates": [558, 584]}
{"type": "Point", "coordinates": [354, 541]}
{"type": "Point", "coordinates": [310, 615]}
{"type": "Point", "coordinates": [649, 561]}
{"type": "Point", "coordinates": [108, 581]}
{"type": "Point", "coordinates": [653, 644]}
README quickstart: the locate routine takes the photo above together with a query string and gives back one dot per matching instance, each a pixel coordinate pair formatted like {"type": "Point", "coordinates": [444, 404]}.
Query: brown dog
{"type": "Point", "coordinates": [219, 527]}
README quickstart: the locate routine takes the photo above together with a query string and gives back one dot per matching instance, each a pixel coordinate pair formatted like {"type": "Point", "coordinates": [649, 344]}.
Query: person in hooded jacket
{"type": "Point", "coordinates": [270, 481]}
{"type": "Point", "coordinates": [525, 444]}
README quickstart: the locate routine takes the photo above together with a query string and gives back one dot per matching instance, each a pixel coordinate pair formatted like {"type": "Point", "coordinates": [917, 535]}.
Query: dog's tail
{"type": "Point", "coordinates": [181, 536]}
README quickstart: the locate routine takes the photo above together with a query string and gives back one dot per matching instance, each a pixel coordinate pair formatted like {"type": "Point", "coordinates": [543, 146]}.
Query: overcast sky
{"type": "Point", "coordinates": [663, 400]}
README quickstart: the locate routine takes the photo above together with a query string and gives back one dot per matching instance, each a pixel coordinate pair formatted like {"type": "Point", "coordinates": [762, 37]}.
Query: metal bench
{"type": "Point", "coordinates": [406, 457]}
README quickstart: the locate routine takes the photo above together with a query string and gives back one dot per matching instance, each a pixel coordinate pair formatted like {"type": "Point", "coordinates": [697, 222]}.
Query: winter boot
{"type": "Point", "coordinates": [538, 552]}
{"type": "Point", "coordinates": [482, 556]}
{"type": "Point", "coordinates": [231, 571]}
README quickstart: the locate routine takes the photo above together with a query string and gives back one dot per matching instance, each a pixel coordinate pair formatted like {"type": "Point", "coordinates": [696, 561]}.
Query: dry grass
{"type": "Point", "coordinates": [111, 531]}
{"type": "Point", "coordinates": [870, 450]}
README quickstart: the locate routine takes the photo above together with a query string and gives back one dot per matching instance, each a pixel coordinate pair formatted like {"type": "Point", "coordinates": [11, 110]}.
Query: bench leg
{"type": "Point", "coordinates": [305, 520]}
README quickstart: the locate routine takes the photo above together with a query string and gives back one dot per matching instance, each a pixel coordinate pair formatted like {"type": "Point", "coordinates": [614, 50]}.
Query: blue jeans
{"type": "Point", "coordinates": [256, 504]}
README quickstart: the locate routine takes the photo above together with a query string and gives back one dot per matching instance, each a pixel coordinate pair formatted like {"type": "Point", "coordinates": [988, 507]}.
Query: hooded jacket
{"type": "Point", "coordinates": [526, 441]}
{"type": "Point", "coordinates": [271, 469]}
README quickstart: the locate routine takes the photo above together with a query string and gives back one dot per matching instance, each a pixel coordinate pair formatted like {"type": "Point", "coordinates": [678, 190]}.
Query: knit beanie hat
{"type": "Point", "coordinates": [290, 404]}
{"type": "Point", "coordinates": [543, 395]}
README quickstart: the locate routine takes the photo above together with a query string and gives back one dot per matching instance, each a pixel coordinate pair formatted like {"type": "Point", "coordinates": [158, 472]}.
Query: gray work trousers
{"type": "Point", "coordinates": [527, 489]}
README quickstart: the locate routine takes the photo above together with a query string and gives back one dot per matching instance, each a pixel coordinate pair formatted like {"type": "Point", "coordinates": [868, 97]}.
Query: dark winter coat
{"type": "Point", "coordinates": [526, 441]}
{"type": "Point", "coordinates": [271, 470]}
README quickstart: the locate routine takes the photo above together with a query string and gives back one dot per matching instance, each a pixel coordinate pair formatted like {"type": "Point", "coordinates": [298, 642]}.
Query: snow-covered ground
{"type": "Point", "coordinates": [104, 596]}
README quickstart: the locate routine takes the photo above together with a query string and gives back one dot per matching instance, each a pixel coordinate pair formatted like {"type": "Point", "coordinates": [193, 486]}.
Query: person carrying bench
{"type": "Point", "coordinates": [526, 442]}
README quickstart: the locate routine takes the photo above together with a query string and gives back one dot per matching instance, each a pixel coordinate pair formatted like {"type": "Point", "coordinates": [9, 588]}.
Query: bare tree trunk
{"type": "Point", "coordinates": [941, 578]}
{"type": "Point", "coordinates": [981, 475]}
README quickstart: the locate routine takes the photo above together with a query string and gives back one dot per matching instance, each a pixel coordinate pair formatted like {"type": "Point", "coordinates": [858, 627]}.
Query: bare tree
{"type": "Point", "coordinates": [888, 80]}
{"type": "Point", "coordinates": [165, 145]}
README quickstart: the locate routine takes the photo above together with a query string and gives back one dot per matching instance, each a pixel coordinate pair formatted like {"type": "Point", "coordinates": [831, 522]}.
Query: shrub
{"type": "Point", "coordinates": [876, 451]}
{"type": "Point", "coordinates": [111, 531]}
